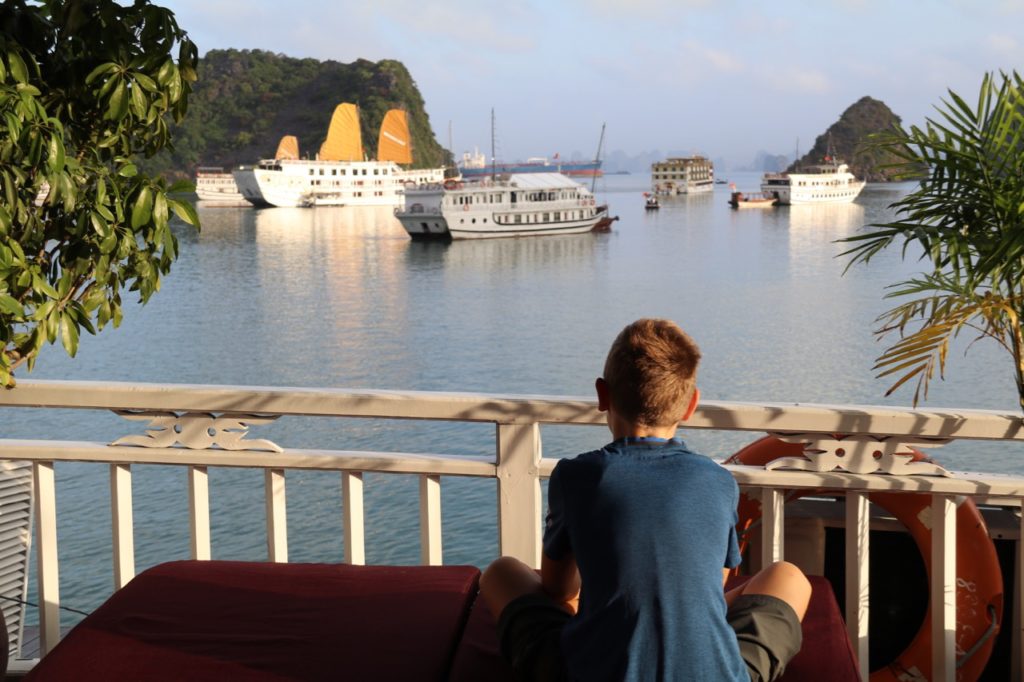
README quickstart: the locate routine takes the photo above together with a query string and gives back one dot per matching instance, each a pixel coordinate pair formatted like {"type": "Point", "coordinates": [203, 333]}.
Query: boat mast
{"type": "Point", "coordinates": [451, 150]}
{"type": "Point", "coordinates": [597, 159]}
{"type": "Point", "coordinates": [494, 163]}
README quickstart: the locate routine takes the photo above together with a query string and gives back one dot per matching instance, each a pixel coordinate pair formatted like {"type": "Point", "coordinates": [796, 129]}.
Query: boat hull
{"type": "Point", "coordinates": [295, 184]}
{"type": "Point", "coordinates": [573, 169]}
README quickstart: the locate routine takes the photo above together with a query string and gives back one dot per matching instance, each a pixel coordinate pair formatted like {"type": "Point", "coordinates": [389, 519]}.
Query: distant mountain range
{"type": "Point", "coordinates": [246, 100]}
{"type": "Point", "coordinates": [849, 138]}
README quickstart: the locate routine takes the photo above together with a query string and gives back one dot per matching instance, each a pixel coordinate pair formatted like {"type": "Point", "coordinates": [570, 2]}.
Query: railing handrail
{"type": "Point", "coordinates": [508, 409]}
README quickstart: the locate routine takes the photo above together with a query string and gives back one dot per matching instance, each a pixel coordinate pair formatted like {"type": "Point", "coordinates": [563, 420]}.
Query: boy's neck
{"type": "Point", "coordinates": [629, 430]}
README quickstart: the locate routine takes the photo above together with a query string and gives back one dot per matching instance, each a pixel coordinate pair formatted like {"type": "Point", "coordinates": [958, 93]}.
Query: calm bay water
{"type": "Point", "coordinates": [342, 298]}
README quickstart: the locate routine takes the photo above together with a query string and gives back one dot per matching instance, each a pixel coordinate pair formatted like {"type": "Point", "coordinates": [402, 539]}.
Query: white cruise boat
{"type": "Point", "coordinates": [683, 175]}
{"type": "Point", "coordinates": [508, 206]}
{"type": "Point", "coordinates": [216, 187]}
{"type": "Point", "coordinates": [340, 176]}
{"type": "Point", "coordinates": [830, 182]}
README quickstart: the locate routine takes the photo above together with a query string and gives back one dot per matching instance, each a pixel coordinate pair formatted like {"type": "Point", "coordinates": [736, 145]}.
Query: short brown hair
{"type": "Point", "coordinates": [651, 372]}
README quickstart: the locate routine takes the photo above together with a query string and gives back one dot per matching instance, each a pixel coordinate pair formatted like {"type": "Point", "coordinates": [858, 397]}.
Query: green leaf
{"type": "Point", "coordinates": [40, 284]}
{"type": "Point", "coordinates": [146, 82]}
{"type": "Point", "coordinates": [55, 154]}
{"type": "Point", "coordinates": [138, 101]}
{"type": "Point", "coordinates": [69, 334]}
{"type": "Point", "coordinates": [118, 103]}
{"type": "Point", "coordinates": [99, 71]}
{"type": "Point", "coordinates": [99, 225]}
{"type": "Point", "coordinates": [18, 68]}
{"type": "Point", "coordinates": [185, 211]}
{"type": "Point", "coordinates": [160, 212]}
{"type": "Point", "coordinates": [11, 306]}
{"type": "Point", "coordinates": [128, 170]}
{"type": "Point", "coordinates": [142, 210]}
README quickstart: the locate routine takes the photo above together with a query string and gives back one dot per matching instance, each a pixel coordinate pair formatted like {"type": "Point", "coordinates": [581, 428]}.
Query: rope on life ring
{"type": "Point", "coordinates": [979, 593]}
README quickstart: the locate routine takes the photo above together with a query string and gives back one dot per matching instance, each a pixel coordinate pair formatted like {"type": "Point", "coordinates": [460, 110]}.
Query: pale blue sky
{"type": "Point", "coordinates": [721, 77]}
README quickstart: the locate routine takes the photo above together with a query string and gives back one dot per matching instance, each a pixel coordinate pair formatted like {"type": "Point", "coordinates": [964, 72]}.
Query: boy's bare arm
{"type": "Point", "coordinates": [560, 579]}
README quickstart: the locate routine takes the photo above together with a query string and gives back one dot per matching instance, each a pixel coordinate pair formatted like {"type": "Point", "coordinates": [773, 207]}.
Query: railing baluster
{"type": "Point", "coordinates": [772, 524]}
{"type": "Point", "coordinates": [277, 516]}
{"type": "Point", "coordinates": [430, 520]}
{"type": "Point", "coordinates": [355, 538]}
{"type": "Point", "coordinates": [943, 588]}
{"type": "Point", "coordinates": [519, 498]}
{"type": "Point", "coordinates": [199, 511]}
{"type": "Point", "coordinates": [46, 556]}
{"type": "Point", "coordinates": [857, 562]}
{"type": "Point", "coordinates": [122, 524]}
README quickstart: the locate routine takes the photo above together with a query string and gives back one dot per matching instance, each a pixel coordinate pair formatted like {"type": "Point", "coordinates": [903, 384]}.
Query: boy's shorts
{"type": "Point", "coordinates": [768, 632]}
{"type": "Point", "coordinates": [530, 631]}
{"type": "Point", "coordinates": [530, 634]}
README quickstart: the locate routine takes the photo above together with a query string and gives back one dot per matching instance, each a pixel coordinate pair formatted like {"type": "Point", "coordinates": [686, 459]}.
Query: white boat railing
{"type": "Point", "coordinates": [199, 427]}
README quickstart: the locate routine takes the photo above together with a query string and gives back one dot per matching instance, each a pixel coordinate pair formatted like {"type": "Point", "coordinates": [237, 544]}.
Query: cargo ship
{"type": "Point", "coordinates": [475, 166]}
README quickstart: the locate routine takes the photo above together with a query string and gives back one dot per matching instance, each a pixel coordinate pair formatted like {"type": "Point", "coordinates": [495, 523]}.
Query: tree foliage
{"type": "Point", "coordinates": [967, 216]}
{"type": "Point", "coordinates": [246, 100]}
{"type": "Point", "coordinates": [86, 87]}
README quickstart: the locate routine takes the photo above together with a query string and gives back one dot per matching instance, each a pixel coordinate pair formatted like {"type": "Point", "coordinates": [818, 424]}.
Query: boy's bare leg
{"type": "Point", "coordinates": [505, 580]}
{"type": "Point", "coordinates": [782, 580]}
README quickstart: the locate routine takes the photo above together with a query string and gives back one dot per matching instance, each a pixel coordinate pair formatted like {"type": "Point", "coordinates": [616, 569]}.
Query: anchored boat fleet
{"type": "Point", "coordinates": [533, 199]}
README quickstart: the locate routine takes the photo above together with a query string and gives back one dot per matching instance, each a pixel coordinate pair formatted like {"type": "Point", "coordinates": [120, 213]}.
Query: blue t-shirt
{"type": "Point", "coordinates": [651, 526]}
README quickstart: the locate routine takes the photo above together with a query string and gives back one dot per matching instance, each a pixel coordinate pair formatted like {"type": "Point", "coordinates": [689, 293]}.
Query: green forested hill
{"type": "Point", "coordinates": [246, 100]}
{"type": "Point", "coordinates": [849, 137]}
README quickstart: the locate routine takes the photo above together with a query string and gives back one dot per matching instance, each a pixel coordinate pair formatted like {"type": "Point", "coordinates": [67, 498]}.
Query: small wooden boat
{"type": "Point", "coordinates": [741, 200]}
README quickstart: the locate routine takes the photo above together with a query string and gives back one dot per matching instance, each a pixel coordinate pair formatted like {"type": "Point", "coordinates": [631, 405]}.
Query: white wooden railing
{"type": "Point", "coordinates": [207, 426]}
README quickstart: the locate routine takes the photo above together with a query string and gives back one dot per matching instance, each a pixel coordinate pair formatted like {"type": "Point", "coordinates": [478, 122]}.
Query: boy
{"type": "Point", "coordinates": [647, 528]}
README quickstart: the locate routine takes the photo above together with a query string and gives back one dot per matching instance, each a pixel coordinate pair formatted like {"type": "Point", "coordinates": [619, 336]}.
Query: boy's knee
{"type": "Point", "coordinates": [502, 572]}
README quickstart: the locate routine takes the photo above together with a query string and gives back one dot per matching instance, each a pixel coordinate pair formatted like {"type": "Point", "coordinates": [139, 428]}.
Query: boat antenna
{"type": "Point", "coordinates": [597, 160]}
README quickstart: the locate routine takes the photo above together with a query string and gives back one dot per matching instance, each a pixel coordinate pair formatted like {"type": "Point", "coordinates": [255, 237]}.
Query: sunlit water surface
{"type": "Point", "coordinates": [342, 298]}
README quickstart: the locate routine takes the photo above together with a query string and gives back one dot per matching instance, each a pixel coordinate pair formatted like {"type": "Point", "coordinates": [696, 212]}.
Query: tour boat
{"type": "Point", "coordinates": [743, 200]}
{"type": "Point", "coordinates": [505, 206]}
{"type": "Point", "coordinates": [683, 175]}
{"type": "Point", "coordinates": [651, 202]}
{"type": "Point", "coordinates": [340, 175]}
{"type": "Point", "coordinates": [829, 182]}
{"type": "Point", "coordinates": [216, 187]}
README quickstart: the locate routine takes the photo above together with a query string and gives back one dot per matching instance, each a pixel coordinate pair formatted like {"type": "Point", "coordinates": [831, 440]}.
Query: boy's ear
{"type": "Point", "coordinates": [692, 407]}
{"type": "Point", "coordinates": [601, 386]}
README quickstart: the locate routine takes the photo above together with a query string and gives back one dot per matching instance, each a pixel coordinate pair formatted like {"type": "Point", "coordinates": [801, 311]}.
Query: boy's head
{"type": "Point", "coordinates": [651, 373]}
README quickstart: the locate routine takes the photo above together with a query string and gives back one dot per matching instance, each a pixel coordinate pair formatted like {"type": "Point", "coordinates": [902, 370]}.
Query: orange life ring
{"type": "Point", "coordinates": [450, 184]}
{"type": "Point", "coordinates": [979, 594]}
{"type": "Point", "coordinates": [465, 207]}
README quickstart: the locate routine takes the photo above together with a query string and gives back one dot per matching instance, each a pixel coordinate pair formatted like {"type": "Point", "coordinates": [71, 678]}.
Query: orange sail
{"type": "Point", "coordinates": [288, 148]}
{"type": "Point", "coordinates": [344, 140]}
{"type": "Point", "coordinates": [394, 143]}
